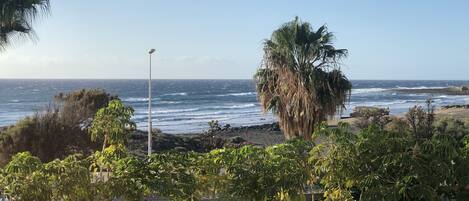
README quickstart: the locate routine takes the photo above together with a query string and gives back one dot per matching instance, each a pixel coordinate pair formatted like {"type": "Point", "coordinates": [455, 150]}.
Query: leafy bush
{"type": "Point", "coordinates": [23, 180]}
{"type": "Point", "coordinates": [45, 135]}
{"type": "Point", "coordinates": [172, 175]}
{"type": "Point", "coordinates": [60, 130]}
{"type": "Point", "coordinates": [129, 179]}
{"type": "Point", "coordinates": [213, 127]}
{"type": "Point", "coordinates": [35, 134]}
{"type": "Point", "coordinates": [454, 127]}
{"type": "Point", "coordinates": [69, 179]}
{"type": "Point", "coordinates": [390, 165]}
{"type": "Point", "coordinates": [251, 173]}
{"type": "Point", "coordinates": [371, 115]}
{"type": "Point", "coordinates": [78, 108]}
{"type": "Point", "coordinates": [374, 164]}
{"type": "Point", "coordinates": [112, 124]}
{"type": "Point", "coordinates": [277, 172]}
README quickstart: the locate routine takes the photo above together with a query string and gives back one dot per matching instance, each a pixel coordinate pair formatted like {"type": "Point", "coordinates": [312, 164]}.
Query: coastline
{"type": "Point", "coordinates": [259, 135]}
{"type": "Point", "coordinates": [463, 90]}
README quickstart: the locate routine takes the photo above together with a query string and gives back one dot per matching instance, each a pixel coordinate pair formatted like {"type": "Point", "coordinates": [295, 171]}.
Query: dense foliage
{"type": "Point", "coordinates": [374, 164]}
{"type": "Point", "coordinates": [410, 161]}
{"type": "Point", "coordinates": [300, 78]}
{"type": "Point", "coordinates": [250, 173]}
{"type": "Point", "coordinates": [58, 131]}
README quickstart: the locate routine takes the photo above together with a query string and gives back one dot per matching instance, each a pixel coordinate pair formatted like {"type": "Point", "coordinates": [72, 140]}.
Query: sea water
{"type": "Point", "coordinates": [185, 106]}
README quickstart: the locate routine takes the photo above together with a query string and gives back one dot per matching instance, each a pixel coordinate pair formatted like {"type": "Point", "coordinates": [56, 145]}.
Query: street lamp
{"type": "Point", "coordinates": [149, 105]}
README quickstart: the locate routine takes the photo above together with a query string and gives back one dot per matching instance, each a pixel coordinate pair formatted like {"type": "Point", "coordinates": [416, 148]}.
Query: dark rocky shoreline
{"type": "Point", "coordinates": [455, 106]}
{"type": "Point", "coordinates": [261, 135]}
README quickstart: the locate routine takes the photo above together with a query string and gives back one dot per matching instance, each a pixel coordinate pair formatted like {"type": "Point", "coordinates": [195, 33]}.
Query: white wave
{"type": "Point", "coordinates": [416, 95]}
{"type": "Point", "coordinates": [176, 110]}
{"type": "Point", "coordinates": [134, 99]}
{"type": "Point", "coordinates": [236, 106]}
{"type": "Point", "coordinates": [218, 112]}
{"type": "Point", "coordinates": [184, 118]}
{"type": "Point", "coordinates": [239, 94]}
{"type": "Point", "coordinates": [139, 99]}
{"type": "Point", "coordinates": [367, 90]}
{"type": "Point", "coordinates": [243, 106]}
{"type": "Point", "coordinates": [382, 104]}
{"type": "Point", "coordinates": [169, 102]}
{"type": "Point", "coordinates": [437, 100]}
{"type": "Point", "coordinates": [421, 87]}
{"type": "Point", "coordinates": [176, 94]}
{"type": "Point", "coordinates": [397, 102]}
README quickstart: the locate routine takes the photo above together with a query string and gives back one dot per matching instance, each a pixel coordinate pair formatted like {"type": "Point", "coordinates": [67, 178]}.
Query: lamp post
{"type": "Point", "coordinates": [149, 105]}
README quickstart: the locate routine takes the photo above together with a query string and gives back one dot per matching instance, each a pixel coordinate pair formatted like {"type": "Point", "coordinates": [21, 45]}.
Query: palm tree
{"type": "Point", "coordinates": [300, 79]}
{"type": "Point", "coordinates": [17, 16]}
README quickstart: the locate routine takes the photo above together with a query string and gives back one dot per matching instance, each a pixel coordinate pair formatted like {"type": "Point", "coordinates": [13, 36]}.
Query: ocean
{"type": "Point", "coordinates": [185, 106]}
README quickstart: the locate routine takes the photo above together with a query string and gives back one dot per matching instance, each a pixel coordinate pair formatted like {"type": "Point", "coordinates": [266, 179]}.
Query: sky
{"type": "Point", "coordinates": [215, 39]}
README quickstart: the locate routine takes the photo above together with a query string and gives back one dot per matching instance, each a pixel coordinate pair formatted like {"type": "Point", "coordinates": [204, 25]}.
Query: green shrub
{"type": "Point", "coordinates": [454, 127]}
{"type": "Point", "coordinates": [23, 179]}
{"type": "Point", "coordinates": [371, 115]}
{"type": "Point", "coordinates": [44, 135]}
{"type": "Point", "coordinates": [172, 175]}
{"type": "Point", "coordinates": [112, 124]}
{"type": "Point", "coordinates": [251, 173]}
{"type": "Point", "coordinates": [278, 172]}
{"type": "Point", "coordinates": [58, 131]}
{"type": "Point", "coordinates": [69, 179]}
{"type": "Point", "coordinates": [129, 179]}
{"type": "Point", "coordinates": [384, 164]}
{"type": "Point", "coordinates": [78, 107]}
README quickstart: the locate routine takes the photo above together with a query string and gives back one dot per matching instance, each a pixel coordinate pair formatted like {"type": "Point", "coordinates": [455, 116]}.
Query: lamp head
{"type": "Point", "coordinates": [151, 51]}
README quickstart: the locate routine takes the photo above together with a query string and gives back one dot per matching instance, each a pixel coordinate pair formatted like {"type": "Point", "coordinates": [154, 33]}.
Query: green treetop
{"type": "Point", "coordinates": [112, 124]}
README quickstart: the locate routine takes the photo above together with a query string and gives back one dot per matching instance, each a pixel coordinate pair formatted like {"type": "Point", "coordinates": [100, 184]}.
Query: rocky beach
{"type": "Point", "coordinates": [259, 135]}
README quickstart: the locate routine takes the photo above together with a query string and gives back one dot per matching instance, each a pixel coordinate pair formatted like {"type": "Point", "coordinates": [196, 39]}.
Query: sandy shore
{"type": "Point", "coordinates": [458, 112]}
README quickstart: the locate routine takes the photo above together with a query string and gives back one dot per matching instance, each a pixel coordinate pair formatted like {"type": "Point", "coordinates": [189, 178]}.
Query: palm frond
{"type": "Point", "coordinates": [17, 17]}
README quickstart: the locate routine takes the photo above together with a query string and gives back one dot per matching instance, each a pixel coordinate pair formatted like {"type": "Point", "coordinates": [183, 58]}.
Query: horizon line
{"type": "Point", "coordinates": [216, 79]}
